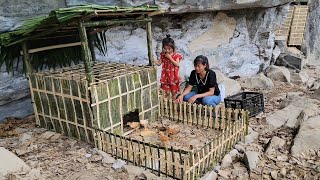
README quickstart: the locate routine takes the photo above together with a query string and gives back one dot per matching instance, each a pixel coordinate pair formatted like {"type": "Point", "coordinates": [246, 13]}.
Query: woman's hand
{"type": "Point", "coordinates": [179, 99]}
{"type": "Point", "coordinates": [193, 99]}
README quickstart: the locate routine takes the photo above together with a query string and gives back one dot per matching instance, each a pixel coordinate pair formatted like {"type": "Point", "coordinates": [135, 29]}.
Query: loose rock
{"type": "Point", "coordinates": [118, 164]}
{"type": "Point", "coordinates": [251, 159]}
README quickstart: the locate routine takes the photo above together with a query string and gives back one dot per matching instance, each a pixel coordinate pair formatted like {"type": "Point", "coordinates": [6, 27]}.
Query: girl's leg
{"type": "Point", "coordinates": [188, 96]}
{"type": "Point", "coordinates": [166, 89]}
{"type": "Point", "coordinates": [211, 100]}
{"type": "Point", "coordinates": [174, 95]}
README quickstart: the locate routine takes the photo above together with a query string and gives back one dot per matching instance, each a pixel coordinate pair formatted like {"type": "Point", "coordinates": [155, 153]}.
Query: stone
{"type": "Point", "coordinates": [220, 32]}
{"type": "Point", "coordinates": [316, 85]}
{"type": "Point", "coordinates": [289, 116]}
{"type": "Point", "coordinates": [275, 144]}
{"type": "Point", "coordinates": [283, 172]}
{"type": "Point", "coordinates": [274, 175]}
{"type": "Point", "coordinates": [34, 174]}
{"type": "Point", "coordinates": [278, 73]}
{"type": "Point", "coordinates": [312, 34]}
{"type": "Point", "coordinates": [258, 82]}
{"type": "Point", "coordinates": [25, 137]}
{"type": "Point", "coordinates": [310, 82]}
{"type": "Point", "coordinates": [118, 164]}
{"type": "Point", "coordinates": [12, 163]}
{"type": "Point", "coordinates": [48, 134]}
{"type": "Point", "coordinates": [231, 86]}
{"type": "Point", "coordinates": [133, 170]}
{"type": "Point", "coordinates": [293, 58]}
{"type": "Point", "coordinates": [251, 159]}
{"type": "Point", "coordinates": [299, 78]}
{"type": "Point", "coordinates": [225, 174]}
{"type": "Point", "coordinates": [212, 175]}
{"type": "Point", "coordinates": [307, 137]}
{"type": "Point", "coordinates": [240, 148]}
{"type": "Point", "coordinates": [234, 153]}
{"type": "Point", "coordinates": [250, 138]}
{"type": "Point", "coordinates": [226, 161]}
{"type": "Point", "coordinates": [19, 130]}
{"type": "Point", "coordinates": [107, 159]}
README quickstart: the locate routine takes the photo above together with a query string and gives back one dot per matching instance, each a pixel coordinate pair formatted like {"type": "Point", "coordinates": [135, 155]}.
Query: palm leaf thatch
{"type": "Point", "coordinates": [41, 27]}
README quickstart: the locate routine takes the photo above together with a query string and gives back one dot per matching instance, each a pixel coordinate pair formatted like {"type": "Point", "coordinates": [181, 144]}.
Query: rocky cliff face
{"type": "Point", "coordinates": [312, 33]}
{"type": "Point", "coordinates": [238, 43]}
{"type": "Point", "coordinates": [182, 6]}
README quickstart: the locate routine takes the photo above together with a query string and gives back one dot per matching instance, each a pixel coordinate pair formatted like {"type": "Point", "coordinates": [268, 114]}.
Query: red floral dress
{"type": "Point", "coordinates": [170, 80]}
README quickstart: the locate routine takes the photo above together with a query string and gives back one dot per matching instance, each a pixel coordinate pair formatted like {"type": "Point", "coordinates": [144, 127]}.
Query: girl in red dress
{"type": "Point", "coordinates": [170, 59]}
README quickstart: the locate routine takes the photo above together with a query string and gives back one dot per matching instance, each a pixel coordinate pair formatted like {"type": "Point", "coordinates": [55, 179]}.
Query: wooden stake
{"type": "Point", "coordinates": [26, 58]}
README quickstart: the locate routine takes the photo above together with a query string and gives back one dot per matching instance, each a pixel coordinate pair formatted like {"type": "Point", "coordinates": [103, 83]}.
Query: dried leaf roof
{"type": "Point", "coordinates": [63, 16]}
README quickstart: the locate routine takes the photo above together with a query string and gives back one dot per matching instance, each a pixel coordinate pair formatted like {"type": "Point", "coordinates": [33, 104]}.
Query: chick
{"type": "Point", "coordinates": [133, 125]}
{"type": "Point", "coordinates": [172, 131]}
{"type": "Point", "coordinates": [165, 139]}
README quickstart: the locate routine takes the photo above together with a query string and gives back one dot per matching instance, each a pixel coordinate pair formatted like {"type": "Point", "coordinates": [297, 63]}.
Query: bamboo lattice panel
{"type": "Point", "coordinates": [283, 32]}
{"type": "Point", "coordinates": [298, 25]}
{"type": "Point", "coordinates": [118, 96]}
{"type": "Point", "coordinates": [62, 106]}
{"type": "Point", "coordinates": [101, 71]}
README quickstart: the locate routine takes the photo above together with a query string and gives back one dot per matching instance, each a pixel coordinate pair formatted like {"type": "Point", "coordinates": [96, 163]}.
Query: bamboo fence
{"type": "Point", "coordinates": [64, 102]}
{"type": "Point", "coordinates": [177, 163]}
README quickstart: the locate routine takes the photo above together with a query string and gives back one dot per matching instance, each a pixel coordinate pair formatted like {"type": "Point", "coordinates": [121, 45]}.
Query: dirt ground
{"type": "Point", "coordinates": [54, 156]}
{"type": "Point", "coordinates": [180, 136]}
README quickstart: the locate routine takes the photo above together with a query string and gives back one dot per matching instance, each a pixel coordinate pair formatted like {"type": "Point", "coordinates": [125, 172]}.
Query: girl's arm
{"type": "Point", "coordinates": [158, 62]}
{"type": "Point", "coordinates": [185, 92]}
{"type": "Point", "coordinates": [176, 63]}
{"type": "Point", "coordinates": [209, 93]}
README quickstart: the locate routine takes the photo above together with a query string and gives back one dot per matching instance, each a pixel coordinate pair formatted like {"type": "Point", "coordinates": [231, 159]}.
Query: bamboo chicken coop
{"type": "Point", "coordinates": [93, 100]}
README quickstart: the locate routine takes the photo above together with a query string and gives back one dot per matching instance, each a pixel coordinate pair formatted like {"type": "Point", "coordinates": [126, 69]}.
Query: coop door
{"type": "Point", "coordinates": [131, 121]}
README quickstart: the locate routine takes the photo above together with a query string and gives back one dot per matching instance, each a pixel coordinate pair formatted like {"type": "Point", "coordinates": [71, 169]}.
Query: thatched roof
{"type": "Point", "coordinates": [61, 18]}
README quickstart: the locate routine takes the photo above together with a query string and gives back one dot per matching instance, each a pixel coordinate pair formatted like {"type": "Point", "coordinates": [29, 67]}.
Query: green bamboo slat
{"type": "Point", "coordinates": [181, 163]}
{"type": "Point", "coordinates": [85, 51]}
{"type": "Point", "coordinates": [159, 164]}
{"type": "Point", "coordinates": [166, 160]}
{"type": "Point", "coordinates": [152, 159]}
{"type": "Point", "coordinates": [139, 155]}
{"type": "Point", "coordinates": [133, 152]}
{"type": "Point", "coordinates": [149, 42]}
{"type": "Point", "coordinates": [145, 155]}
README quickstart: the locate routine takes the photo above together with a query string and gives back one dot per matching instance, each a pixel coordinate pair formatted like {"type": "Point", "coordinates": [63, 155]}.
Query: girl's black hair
{"type": "Point", "coordinates": [168, 41]}
{"type": "Point", "coordinates": [203, 60]}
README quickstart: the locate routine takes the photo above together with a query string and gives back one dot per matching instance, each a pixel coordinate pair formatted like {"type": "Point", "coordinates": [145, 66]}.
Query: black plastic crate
{"type": "Point", "coordinates": [251, 101]}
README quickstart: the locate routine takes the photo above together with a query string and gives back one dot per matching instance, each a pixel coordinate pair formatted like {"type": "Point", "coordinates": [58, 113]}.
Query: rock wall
{"type": "Point", "coordinates": [237, 43]}
{"type": "Point", "coordinates": [312, 33]}
{"type": "Point", "coordinates": [182, 6]}
{"type": "Point", "coordinates": [13, 11]}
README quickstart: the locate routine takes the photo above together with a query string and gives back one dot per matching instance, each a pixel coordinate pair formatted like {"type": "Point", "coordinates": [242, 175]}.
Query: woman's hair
{"type": "Point", "coordinates": [203, 60]}
{"type": "Point", "coordinates": [168, 41]}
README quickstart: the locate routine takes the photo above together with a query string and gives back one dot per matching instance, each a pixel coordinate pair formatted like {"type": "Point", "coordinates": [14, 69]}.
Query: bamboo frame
{"type": "Point", "coordinates": [176, 163]}
{"type": "Point", "coordinates": [66, 104]}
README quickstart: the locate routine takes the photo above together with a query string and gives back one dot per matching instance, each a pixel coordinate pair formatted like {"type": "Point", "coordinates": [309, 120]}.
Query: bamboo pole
{"type": "Point", "coordinates": [26, 58]}
{"type": "Point", "coordinates": [91, 46]}
{"type": "Point", "coordinates": [149, 42]}
{"type": "Point", "coordinates": [85, 52]}
{"type": "Point", "coordinates": [114, 22]}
